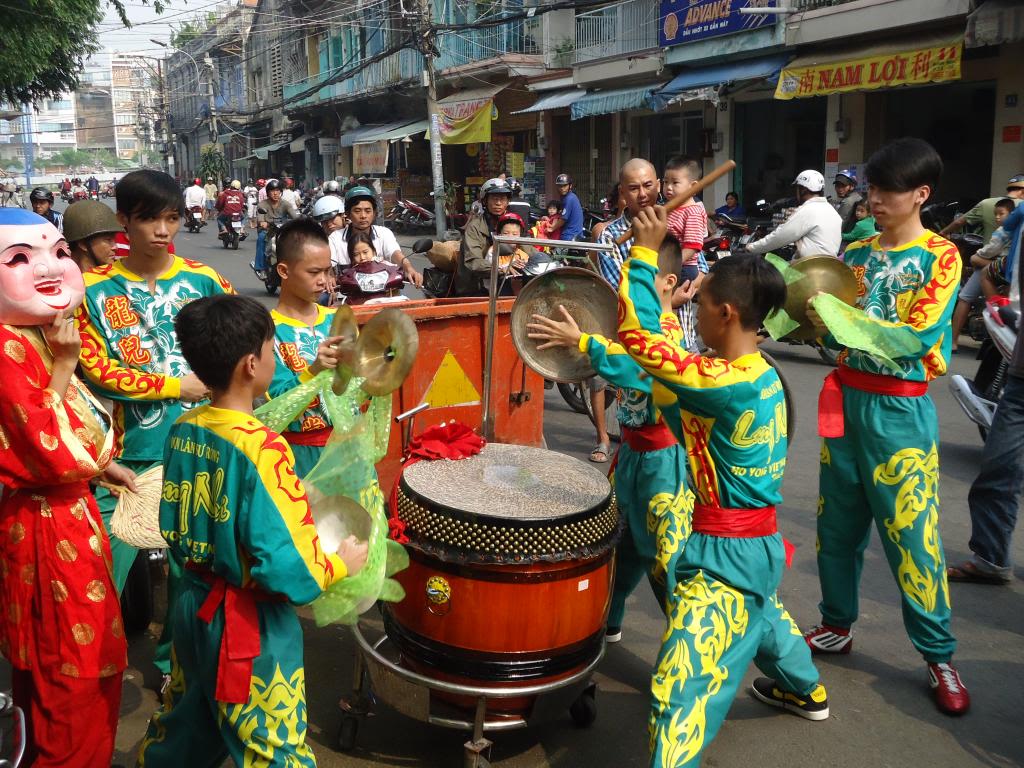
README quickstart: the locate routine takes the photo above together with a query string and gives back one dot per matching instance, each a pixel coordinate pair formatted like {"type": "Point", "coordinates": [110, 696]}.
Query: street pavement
{"type": "Point", "coordinates": [881, 709]}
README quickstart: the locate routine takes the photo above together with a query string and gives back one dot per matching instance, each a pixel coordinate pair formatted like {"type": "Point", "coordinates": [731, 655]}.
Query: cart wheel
{"type": "Point", "coordinates": [584, 710]}
{"type": "Point", "coordinates": [347, 733]}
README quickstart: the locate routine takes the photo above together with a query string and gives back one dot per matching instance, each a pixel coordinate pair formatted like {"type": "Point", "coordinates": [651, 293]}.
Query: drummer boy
{"type": "Point", "coordinates": [233, 509]}
{"type": "Point", "coordinates": [303, 346]}
{"type": "Point", "coordinates": [732, 411]}
{"type": "Point", "coordinates": [649, 471]}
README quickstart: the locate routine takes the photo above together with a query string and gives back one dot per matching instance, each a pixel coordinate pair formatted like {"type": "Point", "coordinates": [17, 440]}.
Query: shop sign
{"type": "Point", "coordinates": [466, 122]}
{"type": "Point", "coordinates": [1011, 134]}
{"type": "Point", "coordinates": [913, 67]}
{"type": "Point", "coordinates": [329, 146]}
{"type": "Point", "coordinates": [371, 157]}
{"type": "Point", "coordinates": [683, 21]}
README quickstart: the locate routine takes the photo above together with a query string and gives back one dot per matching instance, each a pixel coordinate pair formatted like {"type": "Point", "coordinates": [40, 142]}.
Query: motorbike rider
{"type": "Point", "coordinates": [93, 185]}
{"type": "Point", "coordinates": [211, 197]}
{"type": "Point", "coordinates": [291, 194]}
{"type": "Point", "coordinates": [230, 202]}
{"type": "Point", "coordinates": [91, 228]}
{"type": "Point", "coordinates": [195, 197]}
{"type": "Point", "coordinates": [270, 214]}
{"type": "Point", "coordinates": [329, 213]}
{"type": "Point", "coordinates": [361, 209]}
{"type": "Point", "coordinates": [572, 210]}
{"type": "Point", "coordinates": [847, 197]}
{"type": "Point", "coordinates": [473, 265]}
{"type": "Point", "coordinates": [815, 228]}
{"type": "Point", "coordinates": [78, 192]}
{"type": "Point", "coordinates": [983, 215]}
{"type": "Point", "coordinates": [42, 203]}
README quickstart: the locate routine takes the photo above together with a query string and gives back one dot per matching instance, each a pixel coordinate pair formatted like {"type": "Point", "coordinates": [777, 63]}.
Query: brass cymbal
{"type": "Point", "coordinates": [344, 325]}
{"type": "Point", "coordinates": [592, 303]}
{"type": "Point", "coordinates": [386, 351]}
{"type": "Point", "coordinates": [824, 274]}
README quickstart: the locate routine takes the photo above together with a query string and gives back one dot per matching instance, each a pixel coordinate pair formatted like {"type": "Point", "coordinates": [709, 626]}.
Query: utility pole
{"type": "Point", "coordinates": [165, 116]}
{"type": "Point", "coordinates": [208, 63]}
{"type": "Point", "coordinates": [425, 42]}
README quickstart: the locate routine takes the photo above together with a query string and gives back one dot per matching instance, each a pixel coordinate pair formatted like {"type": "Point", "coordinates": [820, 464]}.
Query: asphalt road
{"type": "Point", "coordinates": [882, 712]}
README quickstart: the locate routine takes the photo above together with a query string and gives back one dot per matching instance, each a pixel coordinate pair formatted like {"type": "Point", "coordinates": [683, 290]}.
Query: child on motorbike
{"type": "Point", "coordinates": [865, 226]}
{"type": "Point", "coordinates": [367, 277]}
{"type": "Point", "coordinates": [549, 227]}
{"type": "Point", "coordinates": [990, 259]}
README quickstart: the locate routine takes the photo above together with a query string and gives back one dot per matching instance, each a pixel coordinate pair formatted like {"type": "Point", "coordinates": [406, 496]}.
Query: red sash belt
{"type": "Point", "coordinates": [240, 644]}
{"type": "Point", "coordinates": [734, 523]}
{"type": "Point", "coordinates": [830, 401]}
{"type": "Point", "coordinates": [650, 437]}
{"type": "Point", "coordinates": [315, 437]}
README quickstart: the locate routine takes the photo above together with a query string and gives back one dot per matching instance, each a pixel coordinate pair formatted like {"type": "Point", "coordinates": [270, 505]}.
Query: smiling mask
{"type": "Point", "coordinates": [38, 277]}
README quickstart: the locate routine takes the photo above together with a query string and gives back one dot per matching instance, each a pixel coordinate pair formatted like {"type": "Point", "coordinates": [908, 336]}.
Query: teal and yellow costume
{"type": "Point", "coordinates": [295, 347]}
{"type": "Point", "coordinates": [130, 354]}
{"type": "Point", "coordinates": [724, 611]}
{"type": "Point", "coordinates": [881, 464]}
{"type": "Point", "coordinates": [233, 509]}
{"type": "Point", "coordinates": [649, 477]}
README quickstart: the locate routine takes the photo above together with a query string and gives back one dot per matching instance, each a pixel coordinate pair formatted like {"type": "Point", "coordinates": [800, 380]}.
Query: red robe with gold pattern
{"type": "Point", "coordinates": [60, 611]}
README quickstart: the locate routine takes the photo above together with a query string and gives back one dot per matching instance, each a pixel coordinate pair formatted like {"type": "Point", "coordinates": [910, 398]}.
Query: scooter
{"type": "Point", "coordinates": [978, 397]}
{"type": "Point", "coordinates": [194, 221]}
{"type": "Point", "coordinates": [233, 232]}
{"type": "Point", "coordinates": [372, 282]}
{"type": "Point", "coordinates": [9, 711]}
{"type": "Point", "coordinates": [269, 277]}
{"type": "Point", "coordinates": [94, 194]}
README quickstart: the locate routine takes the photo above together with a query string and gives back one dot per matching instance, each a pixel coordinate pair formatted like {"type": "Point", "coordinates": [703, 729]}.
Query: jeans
{"type": "Point", "coordinates": [995, 495]}
{"type": "Point", "coordinates": [261, 247]}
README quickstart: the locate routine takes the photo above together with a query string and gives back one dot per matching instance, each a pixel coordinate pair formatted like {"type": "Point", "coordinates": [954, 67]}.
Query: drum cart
{"type": "Point", "coordinates": [380, 677]}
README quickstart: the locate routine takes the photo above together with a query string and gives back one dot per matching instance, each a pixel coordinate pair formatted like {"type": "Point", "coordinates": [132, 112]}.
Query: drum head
{"type": "Point", "coordinates": [592, 303]}
{"type": "Point", "coordinates": [509, 503]}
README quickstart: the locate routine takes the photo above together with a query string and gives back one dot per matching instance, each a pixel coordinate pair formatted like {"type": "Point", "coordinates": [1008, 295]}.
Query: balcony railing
{"type": "Point", "coordinates": [474, 45]}
{"type": "Point", "coordinates": [404, 66]}
{"type": "Point", "coordinates": [616, 30]}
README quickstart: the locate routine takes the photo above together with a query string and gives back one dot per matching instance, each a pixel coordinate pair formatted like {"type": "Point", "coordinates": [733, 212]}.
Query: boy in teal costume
{"type": "Point", "coordinates": [233, 509]}
{"type": "Point", "coordinates": [732, 411]}
{"type": "Point", "coordinates": [879, 458]}
{"type": "Point", "coordinates": [302, 343]}
{"type": "Point", "coordinates": [649, 473]}
{"type": "Point", "coordinates": [130, 352]}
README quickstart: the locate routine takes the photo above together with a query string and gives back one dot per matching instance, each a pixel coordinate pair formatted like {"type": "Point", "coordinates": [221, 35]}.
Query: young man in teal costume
{"type": "Point", "coordinates": [731, 410]}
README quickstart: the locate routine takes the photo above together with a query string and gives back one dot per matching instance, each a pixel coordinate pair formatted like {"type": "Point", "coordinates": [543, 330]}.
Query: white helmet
{"type": "Point", "coordinates": [810, 180]}
{"type": "Point", "coordinates": [327, 207]}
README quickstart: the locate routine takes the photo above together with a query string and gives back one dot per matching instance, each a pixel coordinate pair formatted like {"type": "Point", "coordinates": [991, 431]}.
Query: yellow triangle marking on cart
{"type": "Point", "coordinates": [451, 386]}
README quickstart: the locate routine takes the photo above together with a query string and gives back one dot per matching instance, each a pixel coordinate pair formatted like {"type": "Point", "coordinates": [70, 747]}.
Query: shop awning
{"type": "Point", "coordinates": [409, 129]}
{"type": "Point", "coordinates": [472, 94]}
{"type": "Point", "coordinates": [994, 23]}
{"type": "Point", "coordinates": [556, 100]}
{"type": "Point", "coordinates": [367, 134]}
{"type": "Point", "coordinates": [925, 60]}
{"type": "Point", "coordinates": [618, 100]}
{"type": "Point", "coordinates": [264, 152]}
{"type": "Point", "coordinates": [694, 81]}
{"type": "Point", "coordinates": [298, 146]}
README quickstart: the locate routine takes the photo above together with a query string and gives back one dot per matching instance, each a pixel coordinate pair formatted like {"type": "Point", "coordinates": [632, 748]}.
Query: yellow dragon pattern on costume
{"type": "Point", "coordinates": [713, 614]}
{"type": "Point", "coordinates": [669, 519]}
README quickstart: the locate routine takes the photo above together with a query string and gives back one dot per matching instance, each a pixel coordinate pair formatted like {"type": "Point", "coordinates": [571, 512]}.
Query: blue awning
{"type": "Point", "coordinates": [618, 100]}
{"type": "Point", "coordinates": [556, 100]}
{"type": "Point", "coordinates": [728, 72]}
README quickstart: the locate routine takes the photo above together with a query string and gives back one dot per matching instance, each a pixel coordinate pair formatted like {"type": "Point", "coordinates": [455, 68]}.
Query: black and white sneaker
{"type": "Point", "coordinates": [814, 706]}
{"type": "Point", "coordinates": [613, 634]}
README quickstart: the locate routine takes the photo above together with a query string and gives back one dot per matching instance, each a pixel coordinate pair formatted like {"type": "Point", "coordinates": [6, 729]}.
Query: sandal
{"type": "Point", "coordinates": [969, 572]}
{"type": "Point", "coordinates": [600, 453]}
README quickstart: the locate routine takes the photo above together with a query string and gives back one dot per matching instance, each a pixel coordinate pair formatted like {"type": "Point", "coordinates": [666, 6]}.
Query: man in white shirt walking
{"type": "Point", "coordinates": [814, 228]}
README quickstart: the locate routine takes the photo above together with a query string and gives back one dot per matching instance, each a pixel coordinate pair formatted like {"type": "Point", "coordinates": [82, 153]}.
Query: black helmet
{"type": "Point", "coordinates": [274, 184]}
{"type": "Point", "coordinates": [41, 193]}
{"type": "Point", "coordinates": [562, 179]}
{"type": "Point", "coordinates": [86, 218]}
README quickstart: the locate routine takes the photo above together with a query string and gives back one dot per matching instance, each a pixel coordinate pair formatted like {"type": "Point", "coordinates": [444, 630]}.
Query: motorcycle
{"type": "Point", "coordinates": [108, 190]}
{"type": "Point", "coordinates": [978, 397]}
{"type": "Point", "coordinates": [731, 236]}
{"type": "Point", "coordinates": [80, 194]}
{"type": "Point", "coordinates": [406, 213]}
{"type": "Point", "coordinates": [65, 195]}
{"type": "Point", "coordinates": [234, 232]}
{"type": "Point", "coordinates": [937, 216]}
{"type": "Point", "coordinates": [269, 277]}
{"type": "Point", "coordinates": [8, 710]}
{"type": "Point", "coordinates": [194, 220]}
{"type": "Point", "coordinates": [370, 282]}
{"type": "Point", "coordinates": [94, 194]}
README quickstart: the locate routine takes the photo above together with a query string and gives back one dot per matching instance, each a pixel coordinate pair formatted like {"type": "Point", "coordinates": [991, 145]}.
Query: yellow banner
{"type": "Point", "coordinates": [466, 122]}
{"type": "Point", "coordinates": [914, 67]}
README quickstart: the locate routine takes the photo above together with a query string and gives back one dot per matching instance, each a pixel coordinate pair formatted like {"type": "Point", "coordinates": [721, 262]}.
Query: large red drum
{"type": "Point", "coordinates": [511, 568]}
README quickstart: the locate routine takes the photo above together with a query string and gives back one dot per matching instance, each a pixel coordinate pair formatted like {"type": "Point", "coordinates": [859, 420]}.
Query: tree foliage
{"type": "Point", "coordinates": [45, 45]}
{"type": "Point", "coordinates": [212, 163]}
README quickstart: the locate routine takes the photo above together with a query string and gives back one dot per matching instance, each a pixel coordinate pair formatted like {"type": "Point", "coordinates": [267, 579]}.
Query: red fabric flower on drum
{"type": "Point", "coordinates": [453, 440]}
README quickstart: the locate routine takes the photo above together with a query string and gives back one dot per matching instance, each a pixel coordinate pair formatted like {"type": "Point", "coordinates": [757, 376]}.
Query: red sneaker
{"type": "Point", "coordinates": [951, 694]}
{"type": "Point", "coordinates": [825, 639]}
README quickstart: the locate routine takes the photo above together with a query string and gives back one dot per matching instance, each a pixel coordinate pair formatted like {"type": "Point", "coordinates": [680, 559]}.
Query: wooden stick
{"type": "Point", "coordinates": [686, 195]}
